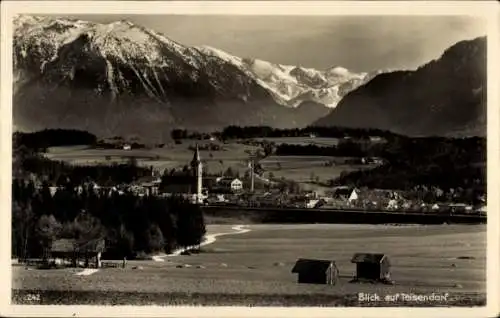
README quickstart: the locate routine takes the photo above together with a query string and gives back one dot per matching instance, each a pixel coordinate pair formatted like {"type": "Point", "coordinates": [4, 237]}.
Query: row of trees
{"type": "Point", "coordinates": [237, 132]}
{"type": "Point", "coordinates": [130, 224]}
{"type": "Point", "coordinates": [343, 149]}
{"type": "Point", "coordinates": [43, 139]}
{"type": "Point", "coordinates": [398, 150]}
{"type": "Point", "coordinates": [58, 172]}
{"type": "Point", "coordinates": [177, 134]}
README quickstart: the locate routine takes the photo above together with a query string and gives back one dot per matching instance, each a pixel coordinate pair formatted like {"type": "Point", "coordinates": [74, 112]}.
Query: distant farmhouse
{"type": "Point", "coordinates": [227, 184]}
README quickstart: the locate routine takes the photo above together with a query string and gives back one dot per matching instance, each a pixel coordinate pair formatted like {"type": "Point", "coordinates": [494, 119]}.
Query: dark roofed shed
{"type": "Point", "coordinates": [74, 249]}
{"type": "Point", "coordinates": [313, 271]}
{"type": "Point", "coordinates": [372, 266]}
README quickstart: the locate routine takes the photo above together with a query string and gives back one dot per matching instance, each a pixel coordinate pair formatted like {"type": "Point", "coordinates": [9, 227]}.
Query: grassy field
{"type": "Point", "coordinates": [254, 268]}
{"type": "Point", "coordinates": [234, 155]}
{"type": "Point", "coordinates": [303, 168]}
{"type": "Point", "coordinates": [171, 156]}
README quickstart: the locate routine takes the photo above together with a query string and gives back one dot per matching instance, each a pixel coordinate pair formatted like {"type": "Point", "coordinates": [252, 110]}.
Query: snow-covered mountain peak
{"type": "Point", "coordinates": [292, 85]}
{"type": "Point", "coordinates": [68, 44]}
{"type": "Point", "coordinates": [209, 50]}
{"type": "Point", "coordinates": [338, 70]}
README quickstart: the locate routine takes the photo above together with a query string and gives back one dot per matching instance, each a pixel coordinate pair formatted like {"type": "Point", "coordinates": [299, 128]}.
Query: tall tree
{"type": "Point", "coordinates": [190, 226]}
{"type": "Point", "coordinates": [47, 229]}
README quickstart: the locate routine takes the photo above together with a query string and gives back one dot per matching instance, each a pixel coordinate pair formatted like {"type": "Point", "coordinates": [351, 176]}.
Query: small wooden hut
{"type": "Point", "coordinates": [371, 266]}
{"type": "Point", "coordinates": [73, 250]}
{"type": "Point", "coordinates": [313, 271]}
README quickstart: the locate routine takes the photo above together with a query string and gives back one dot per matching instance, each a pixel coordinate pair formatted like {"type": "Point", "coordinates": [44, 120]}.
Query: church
{"type": "Point", "coordinates": [188, 184]}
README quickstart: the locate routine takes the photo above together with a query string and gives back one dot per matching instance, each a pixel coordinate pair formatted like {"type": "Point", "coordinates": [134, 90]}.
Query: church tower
{"type": "Point", "coordinates": [197, 169]}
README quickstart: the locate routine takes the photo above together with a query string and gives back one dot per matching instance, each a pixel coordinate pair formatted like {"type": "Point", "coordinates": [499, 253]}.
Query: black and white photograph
{"type": "Point", "coordinates": [245, 159]}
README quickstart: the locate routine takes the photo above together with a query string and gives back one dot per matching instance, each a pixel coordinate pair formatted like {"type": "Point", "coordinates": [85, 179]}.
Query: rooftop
{"type": "Point", "coordinates": [73, 245]}
{"type": "Point", "coordinates": [368, 258]}
{"type": "Point", "coordinates": [311, 265]}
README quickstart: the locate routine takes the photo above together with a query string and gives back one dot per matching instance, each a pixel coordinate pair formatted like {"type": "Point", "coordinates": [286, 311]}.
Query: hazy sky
{"type": "Point", "coordinates": [358, 43]}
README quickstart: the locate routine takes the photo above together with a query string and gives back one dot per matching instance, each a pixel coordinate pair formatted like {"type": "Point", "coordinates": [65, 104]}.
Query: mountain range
{"type": "Point", "coordinates": [445, 97]}
{"type": "Point", "coordinates": [124, 79]}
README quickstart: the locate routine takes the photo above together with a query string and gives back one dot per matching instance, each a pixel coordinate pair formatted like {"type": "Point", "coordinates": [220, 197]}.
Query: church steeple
{"type": "Point", "coordinates": [196, 158]}
{"type": "Point", "coordinates": [197, 169]}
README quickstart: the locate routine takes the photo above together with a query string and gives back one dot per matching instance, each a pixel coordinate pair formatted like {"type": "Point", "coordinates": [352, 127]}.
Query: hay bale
{"type": "Point", "coordinates": [138, 267]}
{"type": "Point", "coordinates": [223, 265]}
{"type": "Point", "coordinates": [200, 266]}
{"type": "Point", "coordinates": [279, 264]}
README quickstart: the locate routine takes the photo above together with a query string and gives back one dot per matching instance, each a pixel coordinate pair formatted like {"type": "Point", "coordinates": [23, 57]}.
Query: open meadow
{"type": "Point", "coordinates": [306, 168]}
{"type": "Point", "coordinates": [302, 169]}
{"type": "Point", "coordinates": [168, 157]}
{"type": "Point", "coordinates": [254, 268]}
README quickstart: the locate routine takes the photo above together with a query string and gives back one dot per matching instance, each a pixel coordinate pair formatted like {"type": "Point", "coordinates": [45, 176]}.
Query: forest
{"type": "Point", "coordinates": [46, 138]}
{"type": "Point", "coordinates": [416, 162]}
{"type": "Point", "coordinates": [131, 225]}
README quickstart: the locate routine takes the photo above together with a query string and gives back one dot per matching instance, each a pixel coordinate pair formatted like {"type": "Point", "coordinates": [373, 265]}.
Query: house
{"type": "Point", "coordinates": [230, 184]}
{"type": "Point", "coordinates": [435, 207]}
{"type": "Point", "coordinates": [342, 192]}
{"type": "Point", "coordinates": [392, 205]}
{"type": "Point", "coordinates": [354, 196]}
{"type": "Point", "coordinates": [460, 207]}
{"type": "Point", "coordinates": [408, 206]}
{"type": "Point", "coordinates": [217, 198]}
{"type": "Point", "coordinates": [375, 198]}
{"type": "Point", "coordinates": [482, 209]}
{"type": "Point", "coordinates": [150, 184]}
{"type": "Point", "coordinates": [73, 250]}
{"type": "Point", "coordinates": [311, 203]}
{"type": "Point", "coordinates": [92, 186]}
{"type": "Point", "coordinates": [314, 271]}
{"type": "Point", "coordinates": [53, 190]}
{"type": "Point", "coordinates": [371, 266]}
{"type": "Point", "coordinates": [311, 194]}
{"type": "Point", "coordinates": [79, 189]}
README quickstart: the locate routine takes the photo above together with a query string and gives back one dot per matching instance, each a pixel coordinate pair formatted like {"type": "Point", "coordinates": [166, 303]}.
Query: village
{"type": "Point", "coordinates": [253, 190]}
